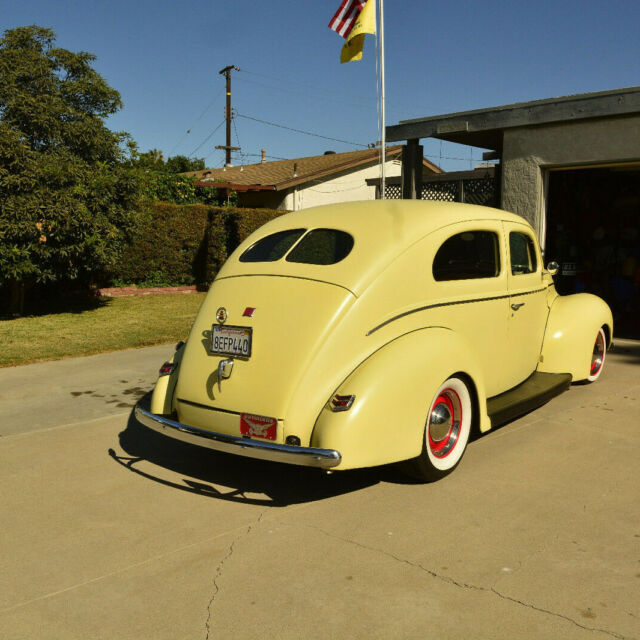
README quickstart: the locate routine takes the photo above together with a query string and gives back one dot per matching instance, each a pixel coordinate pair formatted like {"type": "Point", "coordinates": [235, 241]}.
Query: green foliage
{"type": "Point", "coordinates": [181, 189]}
{"type": "Point", "coordinates": [68, 199]}
{"type": "Point", "coordinates": [185, 244]}
{"type": "Point", "coordinates": [154, 160]}
{"type": "Point", "coordinates": [182, 164]}
{"type": "Point", "coordinates": [166, 242]}
{"type": "Point", "coordinates": [165, 180]}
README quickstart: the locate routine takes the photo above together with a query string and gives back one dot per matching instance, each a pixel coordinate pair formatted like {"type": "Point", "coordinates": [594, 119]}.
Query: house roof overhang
{"type": "Point", "coordinates": [484, 127]}
{"type": "Point", "coordinates": [213, 184]}
{"type": "Point", "coordinates": [286, 174]}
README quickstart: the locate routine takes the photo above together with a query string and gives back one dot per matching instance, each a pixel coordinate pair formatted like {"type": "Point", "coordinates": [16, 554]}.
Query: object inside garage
{"type": "Point", "coordinates": [593, 232]}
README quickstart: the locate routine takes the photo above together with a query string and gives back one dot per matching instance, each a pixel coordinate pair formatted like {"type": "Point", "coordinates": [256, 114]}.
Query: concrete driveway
{"type": "Point", "coordinates": [109, 530]}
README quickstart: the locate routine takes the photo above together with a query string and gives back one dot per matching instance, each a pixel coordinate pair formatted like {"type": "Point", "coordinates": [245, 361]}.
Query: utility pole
{"type": "Point", "coordinates": [228, 115]}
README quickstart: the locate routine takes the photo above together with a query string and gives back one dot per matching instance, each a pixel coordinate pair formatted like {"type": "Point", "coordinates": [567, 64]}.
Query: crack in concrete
{"type": "Point", "coordinates": [216, 586]}
{"type": "Point", "coordinates": [473, 587]}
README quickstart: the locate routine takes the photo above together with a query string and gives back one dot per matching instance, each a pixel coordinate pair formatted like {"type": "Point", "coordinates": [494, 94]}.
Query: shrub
{"type": "Point", "coordinates": [186, 244]}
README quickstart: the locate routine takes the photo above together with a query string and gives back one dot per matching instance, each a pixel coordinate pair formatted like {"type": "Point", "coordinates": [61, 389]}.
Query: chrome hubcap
{"type": "Point", "coordinates": [444, 423]}
{"type": "Point", "coordinates": [440, 422]}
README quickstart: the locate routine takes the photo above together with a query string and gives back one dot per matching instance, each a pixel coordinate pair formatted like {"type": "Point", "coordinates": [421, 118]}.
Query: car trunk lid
{"type": "Point", "coordinates": [288, 317]}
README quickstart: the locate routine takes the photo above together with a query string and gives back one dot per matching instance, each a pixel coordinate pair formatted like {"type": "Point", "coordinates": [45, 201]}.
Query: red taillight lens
{"type": "Point", "coordinates": [341, 403]}
{"type": "Point", "coordinates": [167, 368]}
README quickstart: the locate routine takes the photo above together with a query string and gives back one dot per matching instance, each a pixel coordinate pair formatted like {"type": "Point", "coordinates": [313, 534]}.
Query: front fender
{"type": "Point", "coordinates": [572, 327]}
{"type": "Point", "coordinates": [393, 390]}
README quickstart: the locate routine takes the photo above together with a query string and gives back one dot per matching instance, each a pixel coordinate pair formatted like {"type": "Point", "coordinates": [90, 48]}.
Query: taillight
{"type": "Point", "coordinates": [341, 403]}
{"type": "Point", "coordinates": [167, 368]}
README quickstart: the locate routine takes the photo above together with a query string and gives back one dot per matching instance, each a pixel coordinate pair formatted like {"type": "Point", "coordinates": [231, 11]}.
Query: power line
{"type": "Point", "coordinates": [259, 155]}
{"type": "Point", "coordinates": [207, 138]}
{"type": "Point", "coordinates": [307, 94]}
{"type": "Point", "coordinates": [334, 92]}
{"type": "Point", "coordinates": [307, 133]}
{"type": "Point", "coordinates": [188, 131]}
{"type": "Point", "coordinates": [235, 130]}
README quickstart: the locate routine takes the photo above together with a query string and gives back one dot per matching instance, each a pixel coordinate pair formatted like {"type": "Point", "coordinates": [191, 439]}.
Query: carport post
{"type": "Point", "coordinates": [412, 170]}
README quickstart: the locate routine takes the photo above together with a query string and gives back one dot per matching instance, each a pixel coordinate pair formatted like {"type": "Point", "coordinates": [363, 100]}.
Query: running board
{"type": "Point", "coordinates": [537, 389]}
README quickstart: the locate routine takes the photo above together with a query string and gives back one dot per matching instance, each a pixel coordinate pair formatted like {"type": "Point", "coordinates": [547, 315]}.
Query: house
{"type": "Point", "coordinates": [569, 165]}
{"type": "Point", "coordinates": [305, 182]}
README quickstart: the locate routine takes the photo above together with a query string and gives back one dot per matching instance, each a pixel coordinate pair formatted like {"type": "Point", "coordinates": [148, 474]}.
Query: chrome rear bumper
{"type": "Point", "coordinates": [303, 456]}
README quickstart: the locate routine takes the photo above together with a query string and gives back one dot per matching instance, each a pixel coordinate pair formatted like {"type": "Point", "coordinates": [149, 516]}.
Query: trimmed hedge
{"type": "Point", "coordinates": [186, 244]}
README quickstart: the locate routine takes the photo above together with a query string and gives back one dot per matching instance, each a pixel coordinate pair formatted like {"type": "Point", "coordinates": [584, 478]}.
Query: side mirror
{"type": "Point", "coordinates": [552, 268]}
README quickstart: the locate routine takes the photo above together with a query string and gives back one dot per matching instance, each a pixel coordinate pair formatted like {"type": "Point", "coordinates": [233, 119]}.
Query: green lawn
{"type": "Point", "coordinates": [118, 323]}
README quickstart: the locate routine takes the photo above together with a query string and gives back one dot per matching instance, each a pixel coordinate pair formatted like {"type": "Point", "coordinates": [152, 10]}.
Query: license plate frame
{"type": "Point", "coordinates": [231, 340]}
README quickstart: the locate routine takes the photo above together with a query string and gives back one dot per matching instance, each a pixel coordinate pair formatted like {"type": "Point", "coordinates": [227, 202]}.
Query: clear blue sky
{"type": "Point", "coordinates": [441, 57]}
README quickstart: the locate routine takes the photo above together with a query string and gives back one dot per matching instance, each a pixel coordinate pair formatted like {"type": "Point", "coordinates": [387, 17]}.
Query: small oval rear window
{"type": "Point", "coordinates": [273, 247]}
{"type": "Point", "coordinates": [322, 246]}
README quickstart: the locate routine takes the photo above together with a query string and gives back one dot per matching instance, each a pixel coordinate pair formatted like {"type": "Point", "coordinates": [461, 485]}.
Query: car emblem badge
{"type": "Point", "coordinates": [221, 315]}
{"type": "Point", "coordinates": [248, 312]}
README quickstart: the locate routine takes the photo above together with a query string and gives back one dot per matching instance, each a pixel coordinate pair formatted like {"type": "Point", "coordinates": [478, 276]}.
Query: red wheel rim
{"type": "Point", "coordinates": [597, 358]}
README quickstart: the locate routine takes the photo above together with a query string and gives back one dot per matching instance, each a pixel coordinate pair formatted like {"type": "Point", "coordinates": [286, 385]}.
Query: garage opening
{"type": "Point", "coordinates": [593, 232]}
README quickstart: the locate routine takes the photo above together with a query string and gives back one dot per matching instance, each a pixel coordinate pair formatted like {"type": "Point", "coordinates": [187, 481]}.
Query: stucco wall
{"type": "Point", "coordinates": [346, 187]}
{"type": "Point", "coordinates": [528, 151]}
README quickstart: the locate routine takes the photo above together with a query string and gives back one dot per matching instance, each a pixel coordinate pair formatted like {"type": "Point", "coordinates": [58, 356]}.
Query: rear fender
{"type": "Point", "coordinates": [162, 397]}
{"type": "Point", "coordinates": [574, 322]}
{"type": "Point", "coordinates": [393, 390]}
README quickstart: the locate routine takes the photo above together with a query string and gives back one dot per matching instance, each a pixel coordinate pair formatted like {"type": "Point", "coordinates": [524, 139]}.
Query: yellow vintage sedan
{"type": "Point", "coordinates": [361, 334]}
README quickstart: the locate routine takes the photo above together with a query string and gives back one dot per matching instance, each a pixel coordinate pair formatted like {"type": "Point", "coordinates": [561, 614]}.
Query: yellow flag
{"type": "Point", "coordinates": [366, 23]}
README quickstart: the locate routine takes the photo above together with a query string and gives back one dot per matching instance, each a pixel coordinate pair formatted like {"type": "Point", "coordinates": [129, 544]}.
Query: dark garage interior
{"type": "Point", "coordinates": [593, 232]}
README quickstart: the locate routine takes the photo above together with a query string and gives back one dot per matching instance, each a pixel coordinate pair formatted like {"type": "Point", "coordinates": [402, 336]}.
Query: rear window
{"type": "Point", "coordinates": [468, 255]}
{"type": "Point", "coordinates": [273, 247]}
{"type": "Point", "coordinates": [322, 246]}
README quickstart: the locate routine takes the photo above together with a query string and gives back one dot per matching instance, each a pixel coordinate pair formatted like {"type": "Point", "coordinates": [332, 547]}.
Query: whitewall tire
{"type": "Point", "coordinates": [446, 431]}
{"type": "Point", "coordinates": [598, 356]}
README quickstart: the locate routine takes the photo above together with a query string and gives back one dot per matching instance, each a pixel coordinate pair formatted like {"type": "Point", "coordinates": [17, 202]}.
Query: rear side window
{"type": "Point", "coordinates": [322, 246]}
{"type": "Point", "coordinates": [523, 253]}
{"type": "Point", "coordinates": [468, 255]}
{"type": "Point", "coordinates": [273, 247]}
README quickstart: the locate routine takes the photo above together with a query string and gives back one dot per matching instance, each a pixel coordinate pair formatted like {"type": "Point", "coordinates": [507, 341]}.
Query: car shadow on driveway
{"type": "Point", "coordinates": [223, 476]}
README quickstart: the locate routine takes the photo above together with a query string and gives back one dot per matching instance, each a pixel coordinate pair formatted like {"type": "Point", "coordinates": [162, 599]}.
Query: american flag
{"type": "Point", "coordinates": [346, 16]}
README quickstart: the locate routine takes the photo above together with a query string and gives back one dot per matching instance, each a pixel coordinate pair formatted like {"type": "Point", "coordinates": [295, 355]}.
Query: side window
{"type": "Point", "coordinates": [468, 255]}
{"type": "Point", "coordinates": [523, 253]}
{"type": "Point", "coordinates": [273, 247]}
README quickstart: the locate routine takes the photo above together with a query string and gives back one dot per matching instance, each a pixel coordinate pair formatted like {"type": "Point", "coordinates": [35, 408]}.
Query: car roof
{"type": "Point", "coordinates": [382, 230]}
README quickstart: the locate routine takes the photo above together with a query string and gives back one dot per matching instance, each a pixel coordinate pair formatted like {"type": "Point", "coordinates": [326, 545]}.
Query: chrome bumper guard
{"type": "Point", "coordinates": [242, 446]}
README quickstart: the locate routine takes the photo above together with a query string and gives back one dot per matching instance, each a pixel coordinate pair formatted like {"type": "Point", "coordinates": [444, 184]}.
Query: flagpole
{"type": "Point", "coordinates": [383, 143]}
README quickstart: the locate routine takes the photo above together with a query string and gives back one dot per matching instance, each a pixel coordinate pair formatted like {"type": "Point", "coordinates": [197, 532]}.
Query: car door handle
{"type": "Point", "coordinates": [515, 307]}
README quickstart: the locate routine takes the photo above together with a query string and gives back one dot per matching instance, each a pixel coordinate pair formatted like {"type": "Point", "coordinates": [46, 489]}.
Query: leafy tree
{"type": "Point", "coordinates": [164, 181]}
{"type": "Point", "coordinates": [67, 196]}
{"type": "Point", "coordinates": [182, 164]}
{"type": "Point", "coordinates": [151, 160]}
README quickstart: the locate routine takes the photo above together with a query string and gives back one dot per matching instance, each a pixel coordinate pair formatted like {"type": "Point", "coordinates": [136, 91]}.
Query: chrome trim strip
{"type": "Point", "coordinates": [303, 456]}
{"type": "Point", "coordinates": [449, 304]}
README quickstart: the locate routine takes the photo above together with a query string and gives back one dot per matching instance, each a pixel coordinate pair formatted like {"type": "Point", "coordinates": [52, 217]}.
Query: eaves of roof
{"type": "Point", "coordinates": [484, 127]}
{"type": "Point", "coordinates": [212, 184]}
{"type": "Point", "coordinates": [337, 168]}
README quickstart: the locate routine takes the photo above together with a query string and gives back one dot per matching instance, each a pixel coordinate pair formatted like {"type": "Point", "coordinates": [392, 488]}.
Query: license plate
{"type": "Point", "coordinates": [231, 341]}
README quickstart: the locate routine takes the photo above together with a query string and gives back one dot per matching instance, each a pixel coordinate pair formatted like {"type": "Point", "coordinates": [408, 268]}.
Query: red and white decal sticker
{"type": "Point", "coordinates": [248, 312]}
{"type": "Point", "coordinates": [259, 426]}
